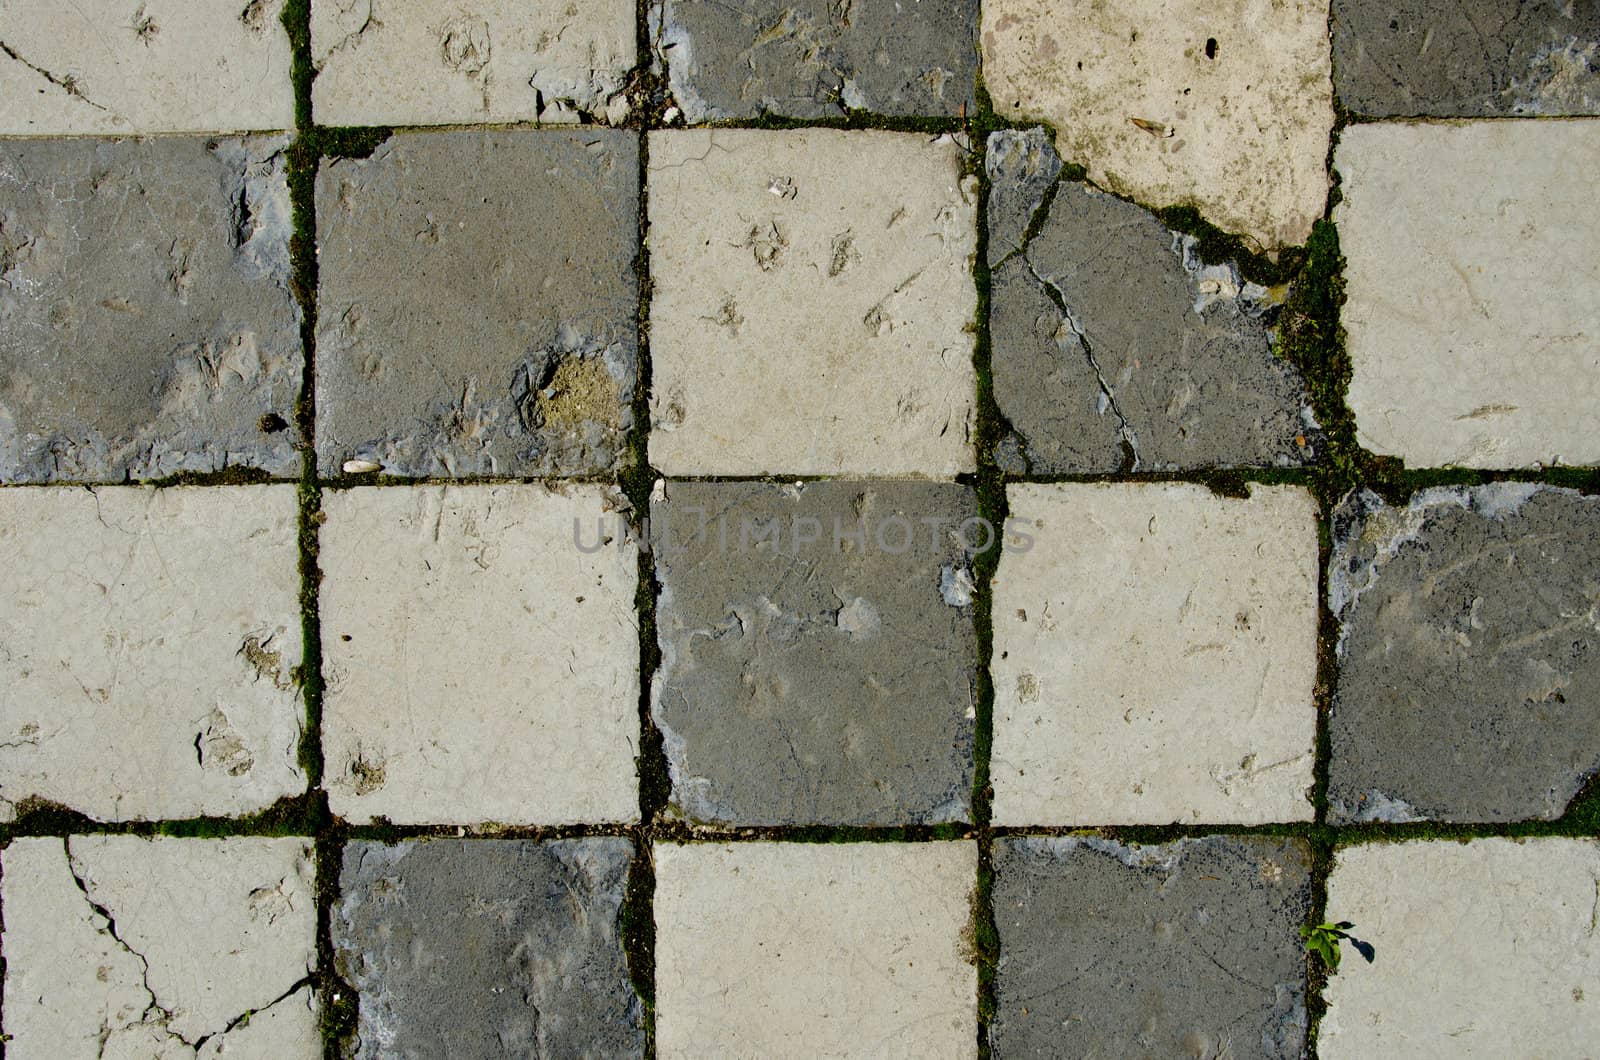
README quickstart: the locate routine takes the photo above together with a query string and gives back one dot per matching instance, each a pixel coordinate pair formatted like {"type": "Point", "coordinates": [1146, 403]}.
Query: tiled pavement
{"type": "Point", "coordinates": [967, 548]}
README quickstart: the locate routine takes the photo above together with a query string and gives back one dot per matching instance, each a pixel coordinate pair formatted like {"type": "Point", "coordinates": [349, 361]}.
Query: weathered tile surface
{"type": "Point", "coordinates": [1114, 345]}
{"type": "Point", "coordinates": [1185, 949]}
{"type": "Point", "coordinates": [1225, 104]}
{"type": "Point", "coordinates": [1485, 948]}
{"type": "Point", "coordinates": [1469, 654]}
{"type": "Point", "coordinates": [817, 58]}
{"type": "Point", "coordinates": [111, 66]}
{"type": "Point", "coordinates": [801, 949]}
{"type": "Point", "coordinates": [146, 324]}
{"type": "Point", "coordinates": [1155, 656]}
{"type": "Point", "coordinates": [1481, 58]}
{"type": "Point", "coordinates": [813, 303]}
{"type": "Point", "coordinates": [818, 651]}
{"type": "Point", "coordinates": [480, 667]}
{"type": "Point", "coordinates": [1472, 322]}
{"type": "Point", "coordinates": [478, 306]}
{"type": "Point", "coordinates": [149, 641]}
{"type": "Point", "coordinates": [120, 946]}
{"type": "Point", "coordinates": [418, 62]}
{"type": "Point", "coordinates": [475, 949]}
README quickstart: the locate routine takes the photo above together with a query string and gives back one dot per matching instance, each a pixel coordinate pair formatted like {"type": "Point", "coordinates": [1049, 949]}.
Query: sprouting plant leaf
{"type": "Point", "coordinates": [1323, 940]}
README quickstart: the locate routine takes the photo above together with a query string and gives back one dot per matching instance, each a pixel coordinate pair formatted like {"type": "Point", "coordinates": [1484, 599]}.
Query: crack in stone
{"type": "Point", "coordinates": [67, 84]}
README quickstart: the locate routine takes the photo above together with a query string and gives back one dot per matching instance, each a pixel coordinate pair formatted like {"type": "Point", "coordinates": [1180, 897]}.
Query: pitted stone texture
{"type": "Point", "coordinates": [821, 681]}
{"type": "Point", "coordinates": [1472, 322]}
{"type": "Point", "coordinates": [1482, 58]}
{"type": "Point", "coordinates": [1469, 654]}
{"type": "Point", "coordinates": [120, 946]}
{"type": "Point", "coordinates": [478, 306]}
{"type": "Point", "coordinates": [479, 666]}
{"type": "Point", "coordinates": [1186, 949]}
{"type": "Point", "coordinates": [1222, 104]}
{"type": "Point", "coordinates": [485, 948]}
{"type": "Point", "coordinates": [1155, 655]}
{"type": "Point", "coordinates": [146, 323]}
{"type": "Point", "coordinates": [817, 950]}
{"type": "Point", "coordinates": [1485, 948]}
{"type": "Point", "coordinates": [149, 650]}
{"type": "Point", "coordinates": [817, 58]}
{"type": "Point", "coordinates": [421, 62]}
{"type": "Point", "coordinates": [813, 303]}
{"type": "Point", "coordinates": [1116, 347]}
{"type": "Point", "coordinates": [160, 66]}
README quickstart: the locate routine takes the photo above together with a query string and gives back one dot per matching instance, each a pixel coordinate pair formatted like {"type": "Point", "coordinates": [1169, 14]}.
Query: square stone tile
{"type": "Point", "coordinates": [146, 324]}
{"type": "Point", "coordinates": [817, 58]}
{"type": "Point", "coordinates": [813, 303]}
{"type": "Point", "coordinates": [1446, 59]}
{"type": "Point", "coordinates": [159, 66]}
{"type": "Point", "coordinates": [824, 950]}
{"type": "Point", "coordinates": [487, 948]}
{"type": "Point", "coordinates": [419, 62]}
{"type": "Point", "coordinates": [1472, 323]}
{"type": "Point", "coordinates": [1485, 948]}
{"type": "Point", "coordinates": [818, 651]}
{"type": "Point", "coordinates": [478, 312]}
{"type": "Point", "coordinates": [121, 946]}
{"type": "Point", "coordinates": [1469, 654]}
{"type": "Point", "coordinates": [1190, 948]}
{"type": "Point", "coordinates": [150, 650]}
{"type": "Point", "coordinates": [1155, 655]}
{"type": "Point", "coordinates": [1226, 105]}
{"type": "Point", "coordinates": [481, 653]}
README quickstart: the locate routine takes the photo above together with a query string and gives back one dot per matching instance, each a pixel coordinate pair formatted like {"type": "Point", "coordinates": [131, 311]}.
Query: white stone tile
{"type": "Point", "coordinates": [149, 640]}
{"type": "Point", "coordinates": [1222, 104]}
{"type": "Point", "coordinates": [479, 666]}
{"type": "Point", "coordinates": [422, 62]}
{"type": "Point", "coordinates": [121, 946]}
{"type": "Point", "coordinates": [813, 303]}
{"type": "Point", "coordinates": [1155, 655]}
{"type": "Point", "coordinates": [1485, 948]}
{"type": "Point", "coordinates": [117, 66]}
{"type": "Point", "coordinates": [1471, 278]}
{"type": "Point", "coordinates": [815, 950]}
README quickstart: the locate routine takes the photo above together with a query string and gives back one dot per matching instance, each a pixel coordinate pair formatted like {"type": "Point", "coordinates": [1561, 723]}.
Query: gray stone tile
{"type": "Point", "coordinates": [478, 306]}
{"type": "Point", "coordinates": [821, 682]}
{"type": "Point", "coordinates": [1466, 58]}
{"type": "Point", "coordinates": [816, 58]}
{"type": "Point", "coordinates": [1469, 654]}
{"type": "Point", "coordinates": [1115, 347]}
{"type": "Point", "coordinates": [1186, 949]}
{"type": "Point", "coordinates": [486, 948]}
{"type": "Point", "coordinates": [146, 324]}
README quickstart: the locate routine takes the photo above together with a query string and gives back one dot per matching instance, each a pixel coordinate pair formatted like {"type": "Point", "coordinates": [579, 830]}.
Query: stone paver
{"type": "Point", "coordinates": [1485, 948]}
{"type": "Point", "coordinates": [487, 948]}
{"type": "Point", "coordinates": [818, 651]}
{"type": "Point", "coordinates": [1223, 104]}
{"type": "Point", "coordinates": [813, 303]}
{"type": "Point", "coordinates": [149, 646]}
{"type": "Point", "coordinates": [1115, 346]}
{"type": "Point", "coordinates": [816, 950]}
{"type": "Point", "coordinates": [1185, 949]}
{"type": "Point", "coordinates": [1155, 655]}
{"type": "Point", "coordinates": [1482, 58]}
{"type": "Point", "coordinates": [108, 66]}
{"type": "Point", "coordinates": [478, 304]}
{"type": "Point", "coordinates": [146, 324]}
{"type": "Point", "coordinates": [120, 946]}
{"type": "Point", "coordinates": [1472, 322]}
{"type": "Point", "coordinates": [817, 58]}
{"type": "Point", "coordinates": [1469, 654]}
{"type": "Point", "coordinates": [418, 62]}
{"type": "Point", "coordinates": [480, 666]}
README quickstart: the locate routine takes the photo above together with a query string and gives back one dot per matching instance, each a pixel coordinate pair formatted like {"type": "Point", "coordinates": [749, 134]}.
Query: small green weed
{"type": "Point", "coordinates": [1323, 940]}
